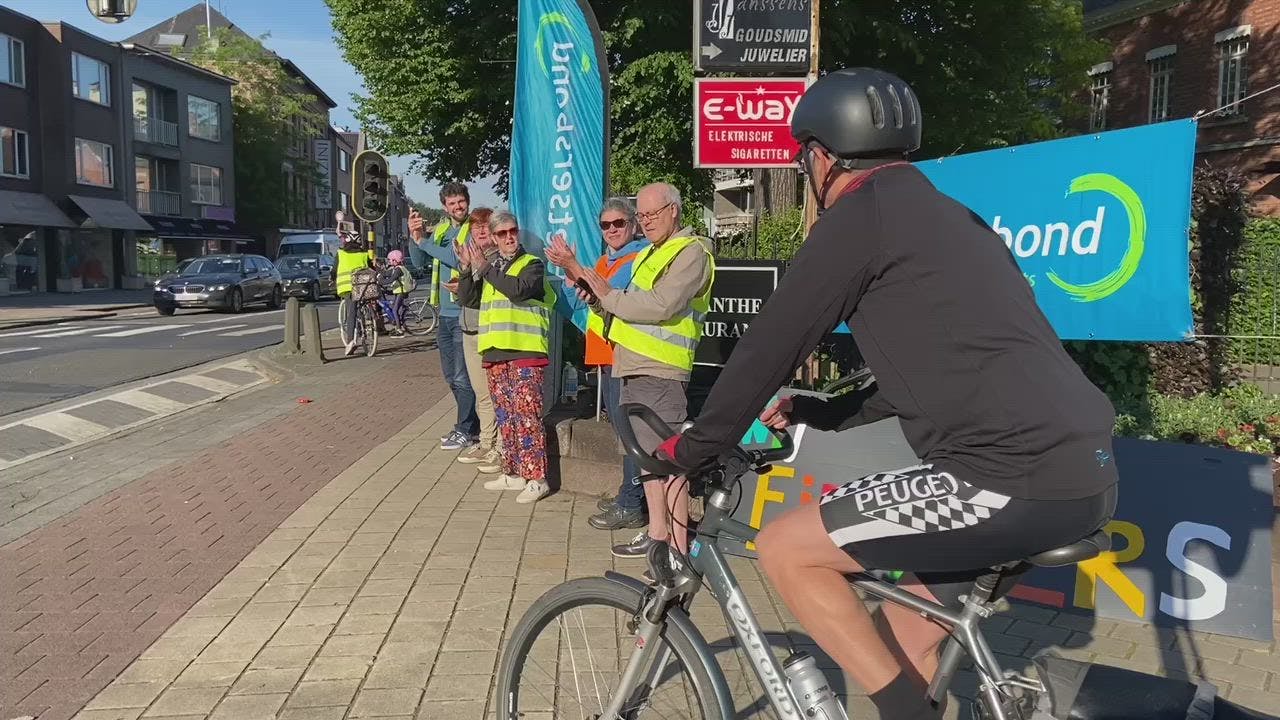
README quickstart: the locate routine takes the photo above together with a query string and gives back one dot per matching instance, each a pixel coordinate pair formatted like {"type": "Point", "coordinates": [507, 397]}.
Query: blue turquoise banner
{"type": "Point", "coordinates": [560, 135]}
{"type": "Point", "coordinates": [1098, 223]}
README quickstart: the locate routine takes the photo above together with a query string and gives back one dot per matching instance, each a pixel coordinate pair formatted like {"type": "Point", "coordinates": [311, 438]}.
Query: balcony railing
{"type": "Point", "coordinates": [155, 130]}
{"type": "Point", "coordinates": [159, 202]}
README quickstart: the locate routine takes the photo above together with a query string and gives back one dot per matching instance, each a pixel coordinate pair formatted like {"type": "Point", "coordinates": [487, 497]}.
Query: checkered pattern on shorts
{"type": "Point", "coordinates": [949, 513]}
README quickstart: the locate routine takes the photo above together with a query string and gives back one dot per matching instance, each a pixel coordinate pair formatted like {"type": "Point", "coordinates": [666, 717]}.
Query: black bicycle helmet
{"type": "Point", "coordinates": [859, 113]}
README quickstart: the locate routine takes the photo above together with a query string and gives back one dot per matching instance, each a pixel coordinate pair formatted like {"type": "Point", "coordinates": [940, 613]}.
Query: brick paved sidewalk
{"type": "Point", "coordinates": [90, 589]}
{"type": "Point", "coordinates": [388, 594]}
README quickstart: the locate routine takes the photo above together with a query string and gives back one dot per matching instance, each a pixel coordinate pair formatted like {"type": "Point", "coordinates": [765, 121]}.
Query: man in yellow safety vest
{"type": "Point", "coordinates": [655, 325]}
{"type": "Point", "coordinates": [455, 228]}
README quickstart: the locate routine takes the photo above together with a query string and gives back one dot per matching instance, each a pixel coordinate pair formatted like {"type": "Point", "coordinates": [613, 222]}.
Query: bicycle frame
{"type": "Point", "coordinates": [709, 562]}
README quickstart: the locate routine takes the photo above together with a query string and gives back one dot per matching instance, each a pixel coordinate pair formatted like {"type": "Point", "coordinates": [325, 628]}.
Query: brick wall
{"type": "Point", "coordinates": [1249, 141]}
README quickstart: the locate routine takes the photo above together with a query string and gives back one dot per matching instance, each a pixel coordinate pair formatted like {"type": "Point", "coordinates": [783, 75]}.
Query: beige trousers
{"type": "Point", "coordinates": [480, 384]}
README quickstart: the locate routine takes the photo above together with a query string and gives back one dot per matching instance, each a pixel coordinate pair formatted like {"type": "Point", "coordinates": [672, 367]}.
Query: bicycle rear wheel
{"type": "Point", "coordinates": [573, 670]}
{"type": "Point", "coordinates": [342, 319]}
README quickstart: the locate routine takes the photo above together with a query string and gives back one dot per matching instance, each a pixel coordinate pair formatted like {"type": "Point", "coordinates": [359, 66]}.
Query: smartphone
{"type": "Point", "coordinates": [586, 288]}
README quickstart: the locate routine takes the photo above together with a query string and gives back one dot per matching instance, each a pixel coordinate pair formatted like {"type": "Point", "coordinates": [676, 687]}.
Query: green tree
{"type": "Point", "coordinates": [440, 75]}
{"type": "Point", "coordinates": [271, 111]}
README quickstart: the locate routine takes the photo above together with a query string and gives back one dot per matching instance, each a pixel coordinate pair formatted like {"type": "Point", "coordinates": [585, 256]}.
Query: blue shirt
{"type": "Point", "coordinates": [444, 253]}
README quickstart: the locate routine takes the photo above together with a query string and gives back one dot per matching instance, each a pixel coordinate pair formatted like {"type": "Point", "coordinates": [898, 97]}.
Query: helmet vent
{"type": "Point", "coordinates": [877, 107]}
{"type": "Point", "coordinates": [912, 107]}
{"type": "Point", "coordinates": [897, 107]}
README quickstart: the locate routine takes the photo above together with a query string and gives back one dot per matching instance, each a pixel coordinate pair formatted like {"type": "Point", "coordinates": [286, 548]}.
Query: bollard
{"type": "Point", "coordinates": [313, 350]}
{"type": "Point", "coordinates": [291, 323]}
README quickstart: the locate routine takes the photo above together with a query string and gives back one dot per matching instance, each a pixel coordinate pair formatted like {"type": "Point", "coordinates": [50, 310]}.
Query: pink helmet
{"type": "Point", "coordinates": [395, 257]}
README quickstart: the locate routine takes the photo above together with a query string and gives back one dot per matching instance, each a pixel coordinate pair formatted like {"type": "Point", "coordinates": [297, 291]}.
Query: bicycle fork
{"type": "Point", "coordinates": [631, 690]}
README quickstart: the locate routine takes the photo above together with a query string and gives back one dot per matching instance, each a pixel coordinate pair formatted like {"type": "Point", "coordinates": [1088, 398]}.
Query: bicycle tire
{"type": "Point", "coordinates": [424, 316]}
{"type": "Point", "coordinates": [370, 322]}
{"type": "Point", "coordinates": [342, 317]}
{"type": "Point", "coordinates": [679, 634]}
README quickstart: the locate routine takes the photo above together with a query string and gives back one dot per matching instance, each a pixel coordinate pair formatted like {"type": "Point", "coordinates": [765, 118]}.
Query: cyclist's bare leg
{"type": "Point", "coordinates": [662, 497]}
{"type": "Point", "coordinates": [917, 637]}
{"type": "Point", "coordinates": [808, 571]}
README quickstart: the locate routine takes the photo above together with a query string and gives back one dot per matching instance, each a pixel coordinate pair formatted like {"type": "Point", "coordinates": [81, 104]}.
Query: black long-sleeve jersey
{"type": "Point", "coordinates": [946, 321]}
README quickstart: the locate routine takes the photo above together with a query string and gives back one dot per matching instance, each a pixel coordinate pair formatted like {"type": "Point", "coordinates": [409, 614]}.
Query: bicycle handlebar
{"type": "Point", "coordinates": [655, 465]}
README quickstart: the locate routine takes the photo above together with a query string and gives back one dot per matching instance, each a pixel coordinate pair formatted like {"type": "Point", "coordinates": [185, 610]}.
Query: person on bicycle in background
{"type": "Point", "coordinates": [353, 255]}
{"type": "Point", "coordinates": [1014, 441]}
{"type": "Point", "coordinates": [397, 279]}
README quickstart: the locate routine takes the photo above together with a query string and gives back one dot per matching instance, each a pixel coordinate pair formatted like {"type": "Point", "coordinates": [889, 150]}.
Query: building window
{"type": "Point", "coordinates": [203, 119]}
{"type": "Point", "coordinates": [344, 160]}
{"type": "Point", "coordinates": [90, 79]}
{"type": "Point", "coordinates": [1100, 96]}
{"type": "Point", "coordinates": [1233, 46]}
{"type": "Point", "coordinates": [1161, 81]}
{"type": "Point", "coordinates": [14, 160]}
{"type": "Point", "coordinates": [206, 185]}
{"type": "Point", "coordinates": [13, 64]}
{"type": "Point", "coordinates": [94, 163]}
{"type": "Point", "coordinates": [342, 201]}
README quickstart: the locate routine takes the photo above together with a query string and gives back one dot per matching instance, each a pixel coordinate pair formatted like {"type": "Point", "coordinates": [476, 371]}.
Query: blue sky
{"type": "Point", "coordinates": [301, 30]}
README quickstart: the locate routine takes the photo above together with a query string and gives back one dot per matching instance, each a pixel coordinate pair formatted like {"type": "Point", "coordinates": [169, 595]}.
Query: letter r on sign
{"type": "Point", "coordinates": [1103, 568]}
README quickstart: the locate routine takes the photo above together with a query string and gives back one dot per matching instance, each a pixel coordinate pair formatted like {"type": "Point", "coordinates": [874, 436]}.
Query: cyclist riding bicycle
{"type": "Point", "coordinates": [397, 280]}
{"type": "Point", "coordinates": [1014, 441]}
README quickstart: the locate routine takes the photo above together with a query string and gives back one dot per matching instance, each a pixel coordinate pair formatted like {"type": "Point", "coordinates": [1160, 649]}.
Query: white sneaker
{"type": "Point", "coordinates": [534, 490]}
{"type": "Point", "coordinates": [505, 482]}
{"type": "Point", "coordinates": [351, 348]}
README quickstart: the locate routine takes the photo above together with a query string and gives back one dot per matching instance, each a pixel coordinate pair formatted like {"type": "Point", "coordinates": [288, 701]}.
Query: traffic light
{"type": "Point", "coordinates": [369, 186]}
{"type": "Point", "coordinates": [113, 11]}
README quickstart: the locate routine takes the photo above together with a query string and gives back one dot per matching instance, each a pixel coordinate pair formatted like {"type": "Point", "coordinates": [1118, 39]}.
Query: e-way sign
{"type": "Point", "coordinates": [760, 35]}
{"type": "Point", "coordinates": [745, 122]}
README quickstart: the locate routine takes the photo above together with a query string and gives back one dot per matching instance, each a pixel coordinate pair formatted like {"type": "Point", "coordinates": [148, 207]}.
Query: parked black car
{"type": "Point", "coordinates": [307, 276]}
{"type": "Point", "coordinates": [225, 282]}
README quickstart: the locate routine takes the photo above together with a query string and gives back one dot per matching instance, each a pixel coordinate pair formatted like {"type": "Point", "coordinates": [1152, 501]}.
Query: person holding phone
{"type": "Point", "coordinates": [654, 325]}
{"type": "Point", "coordinates": [623, 241]}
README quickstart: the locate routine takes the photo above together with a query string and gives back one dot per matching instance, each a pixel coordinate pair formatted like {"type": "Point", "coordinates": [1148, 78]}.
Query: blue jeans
{"type": "Point", "coordinates": [630, 495]}
{"type": "Point", "coordinates": [449, 340]}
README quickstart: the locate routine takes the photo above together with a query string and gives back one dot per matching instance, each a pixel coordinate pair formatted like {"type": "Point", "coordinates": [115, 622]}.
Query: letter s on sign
{"type": "Point", "coordinates": [1214, 599]}
{"type": "Point", "coordinates": [711, 109]}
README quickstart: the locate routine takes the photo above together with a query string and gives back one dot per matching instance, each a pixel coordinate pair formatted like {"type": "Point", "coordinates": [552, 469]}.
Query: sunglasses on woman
{"type": "Point", "coordinates": [612, 224]}
{"type": "Point", "coordinates": [509, 232]}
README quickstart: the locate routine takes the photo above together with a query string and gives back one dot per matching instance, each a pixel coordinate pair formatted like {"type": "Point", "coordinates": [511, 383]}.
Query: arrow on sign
{"type": "Point", "coordinates": [711, 51]}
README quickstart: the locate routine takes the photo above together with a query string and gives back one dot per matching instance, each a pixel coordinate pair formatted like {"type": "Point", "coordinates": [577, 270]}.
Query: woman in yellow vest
{"type": "Point", "coordinates": [516, 303]}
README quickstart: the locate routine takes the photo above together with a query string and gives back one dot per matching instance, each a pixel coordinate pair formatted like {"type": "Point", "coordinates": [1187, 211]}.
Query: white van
{"type": "Point", "coordinates": [309, 242]}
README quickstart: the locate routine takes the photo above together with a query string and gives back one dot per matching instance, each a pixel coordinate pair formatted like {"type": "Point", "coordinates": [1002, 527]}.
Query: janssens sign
{"type": "Point", "coordinates": [745, 122]}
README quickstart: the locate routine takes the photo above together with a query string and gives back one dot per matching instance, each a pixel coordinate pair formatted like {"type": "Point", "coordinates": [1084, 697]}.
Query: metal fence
{"type": "Point", "coordinates": [1253, 325]}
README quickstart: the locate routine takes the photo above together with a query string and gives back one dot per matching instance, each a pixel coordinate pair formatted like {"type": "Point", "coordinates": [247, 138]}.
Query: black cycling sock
{"type": "Point", "coordinates": [904, 699]}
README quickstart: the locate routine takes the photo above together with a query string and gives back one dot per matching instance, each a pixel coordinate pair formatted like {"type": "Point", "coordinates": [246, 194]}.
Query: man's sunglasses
{"type": "Point", "coordinates": [614, 224]}
{"type": "Point", "coordinates": [509, 232]}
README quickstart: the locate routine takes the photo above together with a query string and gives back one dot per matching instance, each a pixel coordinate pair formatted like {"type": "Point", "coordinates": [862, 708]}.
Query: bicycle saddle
{"type": "Point", "coordinates": [1085, 549]}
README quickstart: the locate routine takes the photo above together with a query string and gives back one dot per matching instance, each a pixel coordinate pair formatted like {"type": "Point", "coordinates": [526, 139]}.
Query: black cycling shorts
{"type": "Point", "coordinates": [929, 521]}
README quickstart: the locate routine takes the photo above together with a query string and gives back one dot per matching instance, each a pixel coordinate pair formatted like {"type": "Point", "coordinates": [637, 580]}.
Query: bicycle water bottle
{"type": "Point", "coordinates": [811, 690]}
{"type": "Point", "coordinates": [569, 384]}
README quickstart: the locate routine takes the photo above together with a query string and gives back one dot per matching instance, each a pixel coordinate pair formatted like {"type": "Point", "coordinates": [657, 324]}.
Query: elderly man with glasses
{"type": "Point", "coordinates": [654, 325]}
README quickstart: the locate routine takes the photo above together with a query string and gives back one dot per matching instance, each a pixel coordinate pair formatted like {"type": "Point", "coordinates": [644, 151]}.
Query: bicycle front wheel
{"type": "Point", "coordinates": [369, 322]}
{"type": "Point", "coordinates": [342, 319]}
{"type": "Point", "coordinates": [566, 656]}
{"type": "Point", "coordinates": [420, 317]}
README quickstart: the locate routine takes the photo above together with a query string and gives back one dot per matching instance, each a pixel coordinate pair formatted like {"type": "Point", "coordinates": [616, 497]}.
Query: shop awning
{"type": "Point", "coordinates": [21, 208]}
{"type": "Point", "coordinates": [182, 228]}
{"type": "Point", "coordinates": [108, 213]}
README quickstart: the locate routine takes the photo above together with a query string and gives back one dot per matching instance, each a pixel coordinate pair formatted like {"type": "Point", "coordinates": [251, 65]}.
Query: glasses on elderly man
{"type": "Point", "coordinates": [615, 224]}
{"type": "Point", "coordinates": [508, 232]}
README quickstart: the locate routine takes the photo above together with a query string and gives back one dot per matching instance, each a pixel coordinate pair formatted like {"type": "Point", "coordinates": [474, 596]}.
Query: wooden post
{"type": "Point", "coordinates": [811, 201]}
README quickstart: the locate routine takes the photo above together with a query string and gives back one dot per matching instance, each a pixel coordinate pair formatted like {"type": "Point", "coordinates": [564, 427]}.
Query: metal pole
{"type": "Point", "coordinates": [811, 201]}
{"type": "Point", "coordinates": [208, 24]}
